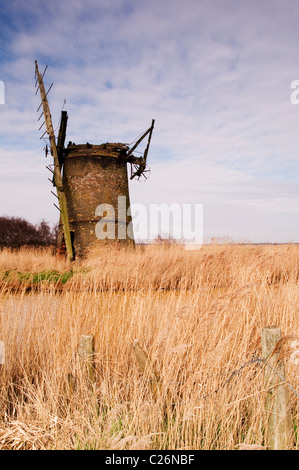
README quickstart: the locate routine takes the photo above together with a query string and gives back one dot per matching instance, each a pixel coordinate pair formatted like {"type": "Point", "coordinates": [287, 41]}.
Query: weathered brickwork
{"type": "Point", "coordinates": [93, 175]}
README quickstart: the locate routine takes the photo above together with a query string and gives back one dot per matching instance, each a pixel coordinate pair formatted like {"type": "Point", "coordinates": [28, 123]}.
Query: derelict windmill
{"type": "Point", "coordinates": [87, 176]}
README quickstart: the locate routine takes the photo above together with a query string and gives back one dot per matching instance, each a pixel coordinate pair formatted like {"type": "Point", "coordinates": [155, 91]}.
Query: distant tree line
{"type": "Point", "coordinates": [16, 232]}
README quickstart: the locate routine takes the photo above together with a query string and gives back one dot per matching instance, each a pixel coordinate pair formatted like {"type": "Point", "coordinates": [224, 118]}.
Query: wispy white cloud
{"type": "Point", "coordinates": [214, 74]}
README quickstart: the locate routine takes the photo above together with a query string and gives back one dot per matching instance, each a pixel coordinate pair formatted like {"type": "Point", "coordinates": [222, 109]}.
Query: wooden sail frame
{"type": "Point", "coordinates": [57, 163]}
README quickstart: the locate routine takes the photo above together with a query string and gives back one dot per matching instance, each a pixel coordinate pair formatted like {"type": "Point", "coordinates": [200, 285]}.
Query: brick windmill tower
{"type": "Point", "coordinates": [91, 183]}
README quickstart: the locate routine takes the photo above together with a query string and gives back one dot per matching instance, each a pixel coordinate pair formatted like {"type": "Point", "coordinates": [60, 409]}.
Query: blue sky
{"type": "Point", "coordinates": [214, 74]}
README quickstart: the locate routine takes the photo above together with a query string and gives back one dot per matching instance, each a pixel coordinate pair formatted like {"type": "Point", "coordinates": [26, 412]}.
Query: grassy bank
{"type": "Point", "coordinates": [197, 314]}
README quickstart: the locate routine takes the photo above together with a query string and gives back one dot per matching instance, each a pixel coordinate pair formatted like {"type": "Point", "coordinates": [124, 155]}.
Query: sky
{"type": "Point", "coordinates": [215, 75]}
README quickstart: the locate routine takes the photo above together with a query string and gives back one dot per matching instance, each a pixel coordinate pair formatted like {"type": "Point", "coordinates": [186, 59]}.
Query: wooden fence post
{"type": "Point", "coordinates": [279, 424]}
{"type": "Point", "coordinates": [86, 356]}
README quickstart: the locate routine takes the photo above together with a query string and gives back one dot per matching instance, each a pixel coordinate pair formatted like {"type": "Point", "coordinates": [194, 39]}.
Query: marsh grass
{"type": "Point", "coordinates": [198, 315]}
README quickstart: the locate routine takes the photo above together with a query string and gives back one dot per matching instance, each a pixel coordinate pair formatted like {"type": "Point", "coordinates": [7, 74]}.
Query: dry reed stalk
{"type": "Point", "coordinates": [31, 260]}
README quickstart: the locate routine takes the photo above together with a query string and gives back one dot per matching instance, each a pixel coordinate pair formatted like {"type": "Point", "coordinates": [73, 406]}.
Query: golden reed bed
{"type": "Point", "coordinates": [197, 314]}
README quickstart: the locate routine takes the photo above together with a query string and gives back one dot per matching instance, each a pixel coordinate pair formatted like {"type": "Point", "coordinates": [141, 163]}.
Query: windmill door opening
{"type": "Point", "coordinates": [72, 232]}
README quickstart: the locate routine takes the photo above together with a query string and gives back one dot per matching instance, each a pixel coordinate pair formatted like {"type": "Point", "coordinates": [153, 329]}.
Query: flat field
{"type": "Point", "coordinates": [198, 315]}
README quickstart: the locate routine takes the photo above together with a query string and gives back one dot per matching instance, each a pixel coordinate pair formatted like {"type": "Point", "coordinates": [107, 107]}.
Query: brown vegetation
{"type": "Point", "coordinates": [16, 232]}
{"type": "Point", "coordinates": [197, 314]}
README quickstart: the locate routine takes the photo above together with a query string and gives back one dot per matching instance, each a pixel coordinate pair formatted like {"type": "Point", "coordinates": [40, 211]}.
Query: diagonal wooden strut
{"type": "Point", "coordinates": [140, 163]}
{"type": "Point", "coordinates": [57, 168]}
